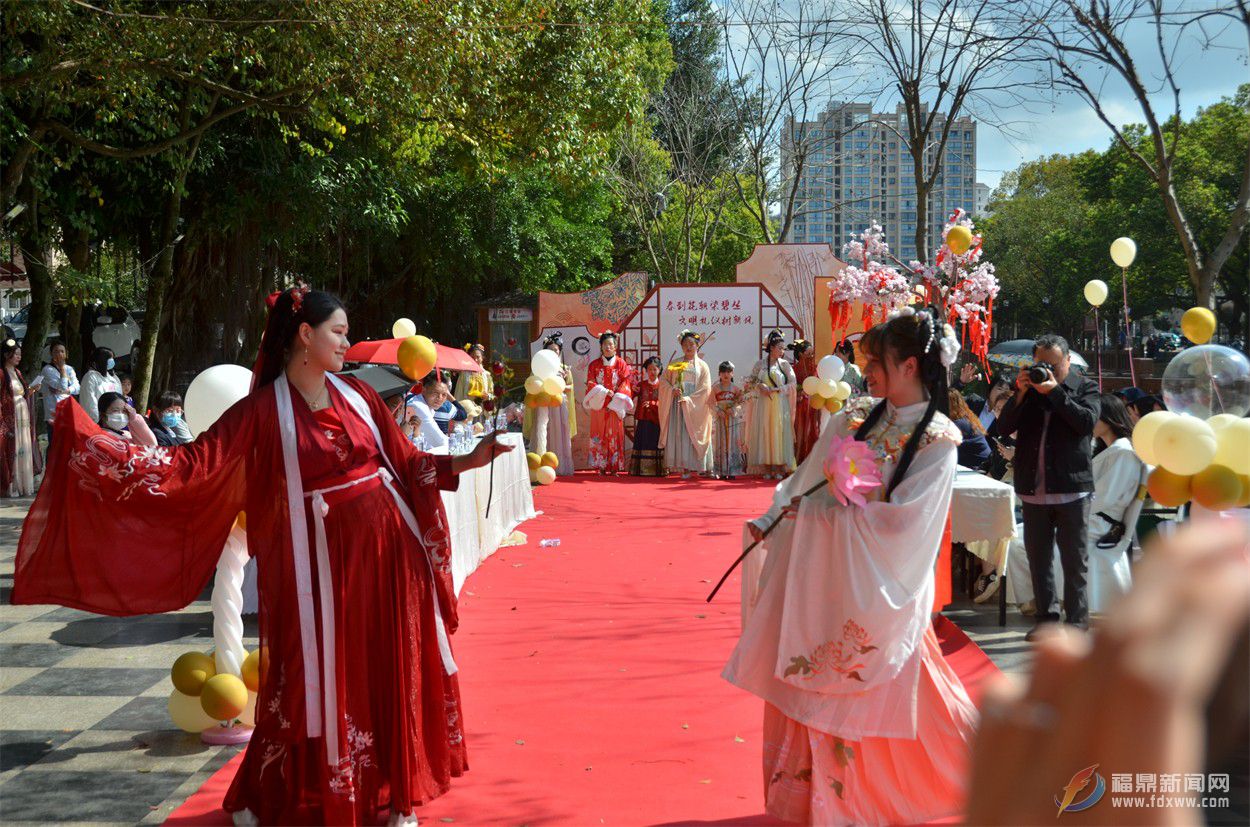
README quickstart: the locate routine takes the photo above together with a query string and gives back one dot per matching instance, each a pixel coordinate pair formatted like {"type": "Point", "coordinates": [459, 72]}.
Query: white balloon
{"type": "Point", "coordinates": [841, 391]}
{"type": "Point", "coordinates": [1123, 251]}
{"type": "Point", "coordinates": [403, 328]}
{"type": "Point", "coordinates": [828, 389]}
{"type": "Point", "coordinates": [1096, 292]}
{"type": "Point", "coordinates": [545, 475]}
{"type": "Point", "coordinates": [533, 385]}
{"type": "Point", "coordinates": [830, 368]}
{"type": "Point", "coordinates": [545, 364]}
{"type": "Point", "coordinates": [811, 386]}
{"type": "Point", "coordinates": [212, 393]}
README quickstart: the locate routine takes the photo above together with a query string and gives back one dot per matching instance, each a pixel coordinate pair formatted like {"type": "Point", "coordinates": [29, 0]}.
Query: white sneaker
{"type": "Point", "coordinates": [986, 587]}
{"type": "Point", "coordinates": [245, 818]}
{"type": "Point", "coordinates": [400, 820]}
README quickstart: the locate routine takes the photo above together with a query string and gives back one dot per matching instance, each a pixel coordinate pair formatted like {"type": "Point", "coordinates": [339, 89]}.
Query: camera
{"type": "Point", "coordinates": [1039, 373]}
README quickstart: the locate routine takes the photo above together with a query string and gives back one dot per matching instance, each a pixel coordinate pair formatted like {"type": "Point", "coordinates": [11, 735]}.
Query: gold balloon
{"type": "Point", "coordinates": [1233, 446]}
{"type": "Point", "coordinates": [841, 391]}
{"type": "Point", "coordinates": [1185, 445]}
{"type": "Point", "coordinates": [1198, 325]}
{"type": "Point", "coordinates": [833, 405]}
{"type": "Point", "coordinates": [531, 401]}
{"type": "Point", "coordinates": [417, 356]}
{"type": "Point", "coordinates": [549, 460]}
{"type": "Point", "coordinates": [187, 714]}
{"type": "Point", "coordinates": [959, 239]}
{"type": "Point", "coordinates": [553, 385]}
{"type": "Point", "coordinates": [223, 697]}
{"type": "Point", "coordinates": [533, 460]}
{"type": "Point", "coordinates": [1216, 487]}
{"type": "Point", "coordinates": [1144, 434]}
{"type": "Point", "coordinates": [1167, 489]}
{"type": "Point", "coordinates": [190, 671]}
{"type": "Point", "coordinates": [251, 671]}
{"type": "Point", "coordinates": [817, 402]}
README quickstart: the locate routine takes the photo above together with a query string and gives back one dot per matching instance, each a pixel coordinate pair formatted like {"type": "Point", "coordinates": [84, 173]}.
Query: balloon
{"type": "Point", "coordinates": [1167, 489]}
{"type": "Point", "coordinates": [212, 393]}
{"type": "Point", "coordinates": [533, 460]}
{"type": "Point", "coordinates": [554, 385]}
{"type": "Point", "coordinates": [830, 368]}
{"type": "Point", "coordinates": [248, 716]}
{"type": "Point", "coordinates": [533, 385]}
{"type": "Point", "coordinates": [959, 239]}
{"type": "Point", "coordinates": [251, 671]}
{"type": "Point", "coordinates": [1233, 446]}
{"type": "Point", "coordinates": [403, 328]}
{"type": "Point", "coordinates": [223, 697]}
{"type": "Point", "coordinates": [190, 671]}
{"type": "Point", "coordinates": [1216, 487]}
{"type": "Point", "coordinates": [817, 401]}
{"type": "Point", "coordinates": [1206, 380]}
{"type": "Point", "coordinates": [1220, 420]}
{"type": "Point", "coordinates": [1244, 500]}
{"type": "Point", "coordinates": [545, 364]}
{"type": "Point", "coordinates": [1144, 434]}
{"type": "Point", "coordinates": [549, 460]}
{"type": "Point", "coordinates": [531, 400]}
{"type": "Point", "coordinates": [1096, 292]}
{"type": "Point", "coordinates": [833, 405]}
{"type": "Point", "coordinates": [826, 388]}
{"type": "Point", "coordinates": [841, 391]}
{"type": "Point", "coordinates": [187, 714]}
{"type": "Point", "coordinates": [416, 357]}
{"type": "Point", "coordinates": [1185, 445]}
{"type": "Point", "coordinates": [1198, 325]}
{"type": "Point", "coordinates": [545, 475]}
{"type": "Point", "coordinates": [1123, 251]}
{"type": "Point", "coordinates": [811, 386]}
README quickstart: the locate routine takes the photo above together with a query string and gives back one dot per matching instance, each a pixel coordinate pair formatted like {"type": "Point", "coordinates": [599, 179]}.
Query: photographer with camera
{"type": "Point", "coordinates": [1052, 416]}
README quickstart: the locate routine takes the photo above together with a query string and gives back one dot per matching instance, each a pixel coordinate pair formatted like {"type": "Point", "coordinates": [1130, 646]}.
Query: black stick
{"type": "Point", "coordinates": [749, 548]}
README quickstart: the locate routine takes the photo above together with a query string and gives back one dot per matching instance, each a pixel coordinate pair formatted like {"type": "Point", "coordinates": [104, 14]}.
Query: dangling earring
{"type": "Point", "coordinates": [305, 354]}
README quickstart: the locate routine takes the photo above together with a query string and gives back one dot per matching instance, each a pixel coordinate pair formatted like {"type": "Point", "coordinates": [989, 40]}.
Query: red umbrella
{"type": "Point", "coordinates": [386, 352]}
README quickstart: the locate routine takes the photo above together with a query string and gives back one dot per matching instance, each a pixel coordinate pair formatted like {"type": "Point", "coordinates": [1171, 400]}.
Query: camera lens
{"type": "Point", "coordinates": [1039, 374]}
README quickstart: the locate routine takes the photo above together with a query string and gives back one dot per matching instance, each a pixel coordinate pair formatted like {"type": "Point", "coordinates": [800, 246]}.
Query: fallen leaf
{"type": "Point", "coordinates": [588, 769]}
{"type": "Point", "coordinates": [447, 820]}
{"type": "Point", "coordinates": [520, 743]}
{"type": "Point", "coordinates": [700, 616]}
{"type": "Point", "coordinates": [739, 740]}
{"type": "Point", "coordinates": [685, 726]}
{"type": "Point", "coordinates": [706, 781]}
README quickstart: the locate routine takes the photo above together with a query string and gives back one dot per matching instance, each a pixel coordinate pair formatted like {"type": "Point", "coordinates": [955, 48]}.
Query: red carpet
{"type": "Point", "coordinates": [591, 671]}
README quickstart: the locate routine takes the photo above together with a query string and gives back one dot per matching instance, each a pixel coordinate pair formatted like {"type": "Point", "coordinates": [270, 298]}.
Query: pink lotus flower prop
{"type": "Point", "coordinates": [851, 467]}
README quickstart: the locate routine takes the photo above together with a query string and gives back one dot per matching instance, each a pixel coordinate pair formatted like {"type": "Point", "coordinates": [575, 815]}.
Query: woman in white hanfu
{"type": "Point", "coordinates": [864, 721]}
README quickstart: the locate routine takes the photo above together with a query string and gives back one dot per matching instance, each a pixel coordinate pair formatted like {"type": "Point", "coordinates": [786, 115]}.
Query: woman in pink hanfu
{"type": "Point", "coordinates": [609, 397]}
{"type": "Point", "coordinates": [864, 721]}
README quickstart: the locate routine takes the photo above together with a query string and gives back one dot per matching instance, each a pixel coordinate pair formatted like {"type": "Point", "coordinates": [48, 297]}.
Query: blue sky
{"type": "Point", "coordinates": [1205, 76]}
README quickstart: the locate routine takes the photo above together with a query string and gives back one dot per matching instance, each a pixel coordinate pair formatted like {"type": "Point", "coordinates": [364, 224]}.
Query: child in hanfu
{"type": "Point", "coordinates": [864, 721]}
{"type": "Point", "coordinates": [727, 447]}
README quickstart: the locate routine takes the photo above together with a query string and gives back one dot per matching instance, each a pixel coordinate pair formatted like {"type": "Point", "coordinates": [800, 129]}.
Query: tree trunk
{"type": "Point", "coordinates": [34, 252]}
{"type": "Point", "coordinates": [158, 285]}
{"type": "Point", "coordinates": [77, 246]}
{"type": "Point", "coordinates": [922, 208]}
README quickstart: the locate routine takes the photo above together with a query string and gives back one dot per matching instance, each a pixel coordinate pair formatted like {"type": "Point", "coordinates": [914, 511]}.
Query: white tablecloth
{"type": "Point", "coordinates": [474, 537]}
{"type": "Point", "coordinates": [983, 516]}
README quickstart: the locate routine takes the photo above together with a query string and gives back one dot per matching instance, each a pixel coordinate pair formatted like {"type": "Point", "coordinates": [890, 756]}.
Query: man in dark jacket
{"type": "Point", "coordinates": [1053, 422]}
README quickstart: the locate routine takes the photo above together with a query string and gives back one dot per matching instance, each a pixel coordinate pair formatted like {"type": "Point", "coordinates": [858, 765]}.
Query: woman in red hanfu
{"type": "Point", "coordinates": [359, 709]}
{"type": "Point", "coordinates": [806, 420]}
{"type": "Point", "coordinates": [609, 396]}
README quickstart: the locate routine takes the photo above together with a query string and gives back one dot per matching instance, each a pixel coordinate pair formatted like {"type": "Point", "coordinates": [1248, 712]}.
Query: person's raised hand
{"type": "Point", "coordinates": [968, 373]}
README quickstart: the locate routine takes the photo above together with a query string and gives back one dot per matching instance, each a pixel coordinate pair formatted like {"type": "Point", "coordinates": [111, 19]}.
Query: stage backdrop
{"type": "Point", "coordinates": [600, 309]}
{"type": "Point", "coordinates": [791, 272]}
{"type": "Point", "coordinates": [740, 316]}
{"type": "Point", "coordinates": [580, 348]}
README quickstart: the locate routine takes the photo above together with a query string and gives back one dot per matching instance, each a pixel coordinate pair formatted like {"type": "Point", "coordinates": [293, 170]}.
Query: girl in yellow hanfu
{"type": "Point", "coordinates": [771, 391]}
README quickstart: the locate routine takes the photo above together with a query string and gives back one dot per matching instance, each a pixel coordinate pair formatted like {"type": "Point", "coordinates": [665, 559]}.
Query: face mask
{"type": "Point", "coordinates": [117, 421]}
{"type": "Point", "coordinates": [169, 420]}
{"type": "Point", "coordinates": [110, 364]}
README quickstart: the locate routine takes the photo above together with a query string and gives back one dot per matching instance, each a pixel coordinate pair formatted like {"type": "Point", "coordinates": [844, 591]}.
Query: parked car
{"type": "Point", "coordinates": [101, 325]}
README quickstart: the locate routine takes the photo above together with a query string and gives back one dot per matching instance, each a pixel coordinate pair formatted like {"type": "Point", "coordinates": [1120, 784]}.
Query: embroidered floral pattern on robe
{"type": "Point", "coordinates": [842, 656]}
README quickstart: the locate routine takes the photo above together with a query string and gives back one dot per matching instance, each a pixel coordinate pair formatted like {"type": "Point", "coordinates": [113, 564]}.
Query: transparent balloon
{"type": "Point", "coordinates": [1207, 380]}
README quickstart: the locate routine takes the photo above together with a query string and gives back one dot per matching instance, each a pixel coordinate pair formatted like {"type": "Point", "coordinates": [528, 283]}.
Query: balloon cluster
{"type": "Point", "coordinates": [545, 386]}
{"type": "Point", "coordinates": [826, 389]}
{"type": "Point", "coordinates": [204, 698]}
{"type": "Point", "coordinates": [1201, 444]}
{"type": "Point", "coordinates": [542, 467]}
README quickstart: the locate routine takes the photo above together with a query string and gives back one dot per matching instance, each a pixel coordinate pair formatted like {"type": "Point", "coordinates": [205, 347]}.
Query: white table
{"type": "Point", "coordinates": [474, 537]}
{"type": "Point", "coordinates": [983, 518]}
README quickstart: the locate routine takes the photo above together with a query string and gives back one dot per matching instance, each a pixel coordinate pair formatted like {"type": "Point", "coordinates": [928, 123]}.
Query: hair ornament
{"type": "Point", "coordinates": [948, 347]}
{"type": "Point", "coordinates": [10, 343]}
{"type": "Point", "coordinates": [685, 334]}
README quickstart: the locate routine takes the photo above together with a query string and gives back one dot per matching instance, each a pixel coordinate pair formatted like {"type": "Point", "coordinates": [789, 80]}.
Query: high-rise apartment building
{"type": "Point", "coordinates": [856, 171]}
